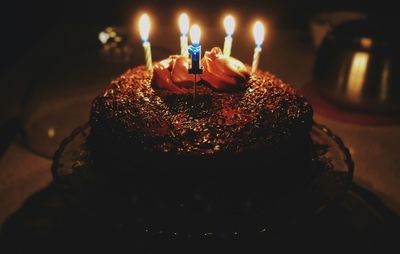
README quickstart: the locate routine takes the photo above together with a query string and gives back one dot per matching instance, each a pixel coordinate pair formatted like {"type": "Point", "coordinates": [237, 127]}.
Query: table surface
{"type": "Point", "coordinates": [287, 54]}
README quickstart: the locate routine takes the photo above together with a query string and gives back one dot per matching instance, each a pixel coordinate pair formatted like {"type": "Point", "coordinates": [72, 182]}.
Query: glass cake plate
{"type": "Point", "coordinates": [72, 167]}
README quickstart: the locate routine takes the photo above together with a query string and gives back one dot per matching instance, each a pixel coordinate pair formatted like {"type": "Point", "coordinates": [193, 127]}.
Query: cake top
{"type": "Point", "coordinates": [263, 113]}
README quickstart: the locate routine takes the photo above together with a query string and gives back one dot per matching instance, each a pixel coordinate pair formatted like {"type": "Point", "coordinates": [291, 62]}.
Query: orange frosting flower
{"type": "Point", "coordinates": [172, 74]}
{"type": "Point", "coordinates": [223, 73]}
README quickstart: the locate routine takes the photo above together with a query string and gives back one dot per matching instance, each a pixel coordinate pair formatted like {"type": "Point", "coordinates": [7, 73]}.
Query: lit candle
{"type": "Point", "coordinates": [184, 28]}
{"type": "Point", "coordinates": [229, 24]}
{"type": "Point", "coordinates": [144, 29]}
{"type": "Point", "coordinates": [195, 50]}
{"type": "Point", "coordinates": [195, 53]}
{"type": "Point", "coordinates": [258, 32]}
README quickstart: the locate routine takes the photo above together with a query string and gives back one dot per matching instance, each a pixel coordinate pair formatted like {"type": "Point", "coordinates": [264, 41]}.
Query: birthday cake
{"type": "Point", "coordinates": [195, 148]}
{"type": "Point", "coordinates": [243, 133]}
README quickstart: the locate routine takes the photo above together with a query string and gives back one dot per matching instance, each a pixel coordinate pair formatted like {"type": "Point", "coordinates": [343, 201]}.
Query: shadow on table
{"type": "Point", "coordinates": [86, 216]}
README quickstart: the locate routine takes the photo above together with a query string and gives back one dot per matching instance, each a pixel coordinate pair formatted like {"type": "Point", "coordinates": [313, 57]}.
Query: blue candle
{"type": "Point", "coordinates": [195, 50]}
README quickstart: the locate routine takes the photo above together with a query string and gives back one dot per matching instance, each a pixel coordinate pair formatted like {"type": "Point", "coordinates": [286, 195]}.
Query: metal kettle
{"type": "Point", "coordinates": [358, 66]}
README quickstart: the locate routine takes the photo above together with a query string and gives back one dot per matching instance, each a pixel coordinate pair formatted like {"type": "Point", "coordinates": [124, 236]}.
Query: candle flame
{"type": "Point", "coordinates": [184, 23]}
{"type": "Point", "coordinates": [195, 34]}
{"type": "Point", "coordinates": [144, 27]}
{"type": "Point", "coordinates": [259, 33]}
{"type": "Point", "coordinates": [229, 24]}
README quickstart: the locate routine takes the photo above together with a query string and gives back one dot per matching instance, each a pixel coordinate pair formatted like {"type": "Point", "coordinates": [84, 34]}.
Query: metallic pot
{"type": "Point", "coordinates": [358, 65]}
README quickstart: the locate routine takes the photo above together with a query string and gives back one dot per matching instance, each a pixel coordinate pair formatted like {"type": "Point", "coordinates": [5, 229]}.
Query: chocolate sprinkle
{"type": "Point", "coordinates": [262, 115]}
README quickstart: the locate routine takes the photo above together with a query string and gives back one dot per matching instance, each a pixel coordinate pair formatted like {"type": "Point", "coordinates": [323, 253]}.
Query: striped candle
{"type": "Point", "coordinates": [184, 29]}
{"type": "Point", "coordinates": [259, 33]}
{"type": "Point", "coordinates": [147, 55]}
{"type": "Point", "coordinates": [144, 29]}
{"type": "Point", "coordinates": [229, 24]}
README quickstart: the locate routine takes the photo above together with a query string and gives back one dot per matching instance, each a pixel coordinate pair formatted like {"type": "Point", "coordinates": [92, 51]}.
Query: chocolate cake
{"type": "Point", "coordinates": [243, 135]}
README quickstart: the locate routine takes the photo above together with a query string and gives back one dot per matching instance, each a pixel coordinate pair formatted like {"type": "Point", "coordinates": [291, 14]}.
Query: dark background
{"type": "Point", "coordinates": [24, 23]}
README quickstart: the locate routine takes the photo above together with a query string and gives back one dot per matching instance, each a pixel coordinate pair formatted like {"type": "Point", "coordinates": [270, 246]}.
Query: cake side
{"type": "Point", "coordinates": [224, 150]}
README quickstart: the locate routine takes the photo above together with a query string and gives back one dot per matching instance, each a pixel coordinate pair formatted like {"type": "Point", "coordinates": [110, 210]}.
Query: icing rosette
{"type": "Point", "coordinates": [220, 72]}
{"type": "Point", "coordinates": [172, 74]}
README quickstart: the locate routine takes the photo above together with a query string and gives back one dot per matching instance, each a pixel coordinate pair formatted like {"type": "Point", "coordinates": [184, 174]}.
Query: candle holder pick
{"type": "Point", "coordinates": [195, 68]}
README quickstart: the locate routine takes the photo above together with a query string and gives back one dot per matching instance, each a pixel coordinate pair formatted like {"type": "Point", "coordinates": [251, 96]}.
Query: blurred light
{"type": "Point", "coordinates": [51, 132]}
{"type": "Point", "coordinates": [357, 74]}
{"type": "Point", "coordinates": [366, 43]}
{"type": "Point", "coordinates": [385, 80]}
{"type": "Point", "coordinates": [103, 37]}
{"type": "Point", "coordinates": [113, 34]}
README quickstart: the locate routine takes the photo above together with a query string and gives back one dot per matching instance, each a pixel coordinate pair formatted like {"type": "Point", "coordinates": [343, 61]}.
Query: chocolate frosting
{"type": "Point", "coordinates": [263, 116]}
{"type": "Point", "coordinates": [220, 72]}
